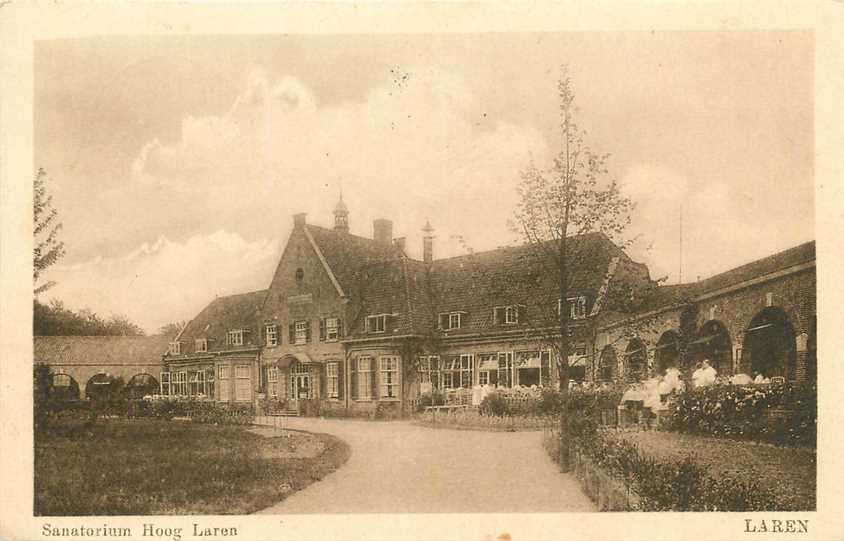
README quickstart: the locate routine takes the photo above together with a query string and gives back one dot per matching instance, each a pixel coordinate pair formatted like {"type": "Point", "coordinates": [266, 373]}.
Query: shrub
{"type": "Point", "coordinates": [435, 398]}
{"type": "Point", "coordinates": [494, 405]}
{"type": "Point", "coordinates": [675, 484]}
{"type": "Point", "coordinates": [780, 414]}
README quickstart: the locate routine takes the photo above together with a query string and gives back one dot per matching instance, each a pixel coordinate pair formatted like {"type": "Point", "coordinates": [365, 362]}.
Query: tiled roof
{"type": "Point", "coordinates": [668, 295]}
{"type": "Point", "coordinates": [476, 283]}
{"type": "Point", "coordinates": [347, 254]}
{"type": "Point", "coordinates": [105, 350]}
{"type": "Point", "coordinates": [773, 263]}
{"type": "Point", "coordinates": [224, 314]}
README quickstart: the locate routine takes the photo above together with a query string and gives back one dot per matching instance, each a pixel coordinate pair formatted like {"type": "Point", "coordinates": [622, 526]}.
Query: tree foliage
{"type": "Point", "coordinates": [573, 197]}
{"type": "Point", "coordinates": [171, 329]}
{"type": "Point", "coordinates": [48, 248]}
{"type": "Point", "coordinates": [54, 319]}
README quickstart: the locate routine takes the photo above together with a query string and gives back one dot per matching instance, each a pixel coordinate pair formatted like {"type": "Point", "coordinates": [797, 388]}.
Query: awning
{"type": "Point", "coordinates": [489, 364]}
{"type": "Point", "coordinates": [287, 360]}
{"type": "Point", "coordinates": [578, 361]}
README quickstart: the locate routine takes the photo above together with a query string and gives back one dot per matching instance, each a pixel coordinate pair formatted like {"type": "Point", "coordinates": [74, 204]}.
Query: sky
{"type": "Point", "coordinates": [177, 163]}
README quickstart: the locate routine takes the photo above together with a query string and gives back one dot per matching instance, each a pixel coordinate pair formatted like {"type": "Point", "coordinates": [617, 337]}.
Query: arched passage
{"type": "Point", "coordinates": [769, 344]}
{"type": "Point", "coordinates": [607, 364]}
{"type": "Point", "coordinates": [102, 386]}
{"type": "Point", "coordinates": [812, 351]}
{"type": "Point", "coordinates": [713, 343]}
{"type": "Point", "coordinates": [141, 385]}
{"type": "Point", "coordinates": [667, 354]}
{"type": "Point", "coordinates": [635, 360]}
{"type": "Point", "coordinates": [64, 387]}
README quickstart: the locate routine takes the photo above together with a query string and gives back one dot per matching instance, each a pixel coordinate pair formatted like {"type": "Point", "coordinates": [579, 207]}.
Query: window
{"type": "Point", "coordinates": [175, 348]}
{"type": "Point", "coordinates": [300, 276]}
{"type": "Point", "coordinates": [209, 382]}
{"type": "Point", "coordinates": [488, 369]}
{"type": "Point", "coordinates": [179, 384]}
{"type": "Point", "coordinates": [61, 380]}
{"type": "Point", "coordinates": [332, 377]}
{"type": "Point", "coordinates": [165, 383]}
{"type": "Point", "coordinates": [458, 371]}
{"type": "Point", "coordinates": [364, 378]}
{"type": "Point", "coordinates": [200, 345]}
{"type": "Point", "coordinates": [429, 373]}
{"type": "Point", "coordinates": [577, 307]}
{"type": "Point", "coordinates": [506, 315]}
{"type": "Point", "coordinates": [375, 324]}
{"type": "Point", "coordinates": [242, 383]}
{"type": "Point", "coordinates": [451, 320]}
{"type": "Point", "coordinates": [329, 329]}
{"type": "Point", "coordinates": [505, 369]}
{"type": "Point", "coordinates": [389, 376]}
{"type": "Point", "coordinates": [272, 335]}
{"type": "Point", "coordinates": [301, 332]}
{"type": "Point", "coordinates": [272, 380]}
{"type": "Point", "coordinates": [223, 376]}
{"type": "Point", "coordinates": [580, 351]}
{"type": "Point", "coordinates": [235, 338]}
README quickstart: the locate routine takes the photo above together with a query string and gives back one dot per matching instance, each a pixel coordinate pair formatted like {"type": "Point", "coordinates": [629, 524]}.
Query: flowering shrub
{"type": "Point", "coordinates": [430, 399]}
{"type": "Point", "coordinates": [781, 414]}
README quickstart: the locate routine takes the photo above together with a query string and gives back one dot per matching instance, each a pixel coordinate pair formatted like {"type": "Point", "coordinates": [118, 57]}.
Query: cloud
{"type": "Point", "coordinates": [401, 152]}
{"type": "Point", "coordinates": [166, 281]}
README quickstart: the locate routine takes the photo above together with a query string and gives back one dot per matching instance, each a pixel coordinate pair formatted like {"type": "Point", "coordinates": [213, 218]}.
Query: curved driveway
{"type": "Point", "coordinates": [398, 467]}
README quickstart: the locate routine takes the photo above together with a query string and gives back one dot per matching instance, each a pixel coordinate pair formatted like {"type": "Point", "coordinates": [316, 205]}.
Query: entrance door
{"type": "Point", "coordinates": [301, 386]}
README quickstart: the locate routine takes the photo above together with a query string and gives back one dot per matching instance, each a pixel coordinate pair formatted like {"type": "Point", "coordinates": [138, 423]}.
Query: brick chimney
{"type": "Point", "coordinates": [428, 243]}
{"type": "Point", "coordinates": [382, 231]}
{"type": "Point", "coordinates": [299, 219]}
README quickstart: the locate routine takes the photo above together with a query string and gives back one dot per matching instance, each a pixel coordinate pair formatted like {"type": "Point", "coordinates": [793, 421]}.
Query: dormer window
{"type": "Point", "coordinates": [451, 320]}
{"type": "Point", "coordinates": [377, 323]}
{"type": "Point", "coordinates": [506, 315]}
{"type": "Point", "coordinates": [200, 345]}
{"type": "Point", "coordinates": [175, 348]}
{"type": "Point", "coordinates": [235, 338]}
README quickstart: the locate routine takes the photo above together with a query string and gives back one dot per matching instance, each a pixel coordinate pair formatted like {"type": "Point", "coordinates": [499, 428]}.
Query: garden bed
{"type": "Point", "coordinates": [153, 467]}
{"type": "Point", "coordinates": [471, 419]}
{"type": "Point", "coordinates": [790, 472]}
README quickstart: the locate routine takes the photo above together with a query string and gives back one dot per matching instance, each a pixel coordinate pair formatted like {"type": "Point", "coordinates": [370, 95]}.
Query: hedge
{"type": "Point", "coordinates": [675, 485]}
{"type": "Point", "coordinates": [780, 414]}
{"type": "Point", "coordinates": [166, 409]}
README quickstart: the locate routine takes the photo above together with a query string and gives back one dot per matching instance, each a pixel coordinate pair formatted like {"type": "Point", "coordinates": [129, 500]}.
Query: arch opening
{"type": "Point", "coordinates": [667, 353]}
{"type": "Point", "coordinates": [769, 345]}
{"type": "Point", "coordinates": [635, 361]}
{"type": "Point", "coordinates": [713, 343]}
{"type": "Point", "coordinates": [64, 387]}
{"type": "Point", "coordinates": [103, 386]}
{"type": "Point", "coordinates": [141, 385]}
{"type": "Point", "coordinates": [607, 364]}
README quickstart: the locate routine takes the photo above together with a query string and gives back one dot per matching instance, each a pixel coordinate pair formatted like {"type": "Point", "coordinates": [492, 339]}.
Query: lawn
{"type": "Point", "coordinates": [791, 472]}
{"type": "Point", "coordinates": [153, 467]}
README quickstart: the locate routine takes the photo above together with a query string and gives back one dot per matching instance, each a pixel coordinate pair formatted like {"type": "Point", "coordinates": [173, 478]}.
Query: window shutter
{"type": "Point", "coordinates": [323, 376]}
{"type": "Point", "coordinates": [322, 330]}
{"type": "Point", "coordinates": [499, 315]}
{"type": "Point", "coordinates": [341, 381]}
{"type": "Point", "coordinates": [291, 332]}
{"type": "Point", "coordinates": [307, 331]}
{"type": "Point", "coordinates": [353, 379]}
{"type": "Point", "coordinates": [339, 328]}
{"type": "Point", "coordinates": [443, 321]}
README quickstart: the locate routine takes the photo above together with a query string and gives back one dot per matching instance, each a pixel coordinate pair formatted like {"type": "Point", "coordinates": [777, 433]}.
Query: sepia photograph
{"type": "Point", "coordinates": [423, 273]}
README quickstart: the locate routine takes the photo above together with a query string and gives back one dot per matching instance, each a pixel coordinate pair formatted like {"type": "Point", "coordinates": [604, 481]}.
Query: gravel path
{"type": "Point", "coordinates": [397, 467]}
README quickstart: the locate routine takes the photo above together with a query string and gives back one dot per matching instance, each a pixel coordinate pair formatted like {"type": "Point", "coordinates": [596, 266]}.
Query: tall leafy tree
{"type": "Point", "coordinates": [172, 329]}
{"type": "Point", "coordinates": [48, 248]}
{"type": "Point", "coordinates": [573, 197]}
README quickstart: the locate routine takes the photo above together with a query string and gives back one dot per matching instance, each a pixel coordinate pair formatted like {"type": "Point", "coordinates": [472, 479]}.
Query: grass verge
{"type": "Point", "coordinates": [790, 472]}
{"type": "Point", "coordinates": [147, 467]}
